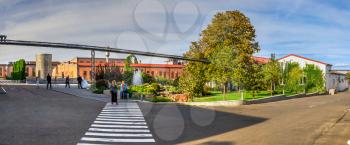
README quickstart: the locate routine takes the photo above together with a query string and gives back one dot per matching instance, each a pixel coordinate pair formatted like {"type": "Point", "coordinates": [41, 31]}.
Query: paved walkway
{"type": "Point", "coordinates": [83, 93]}
{"type": "Point", "coordinates": [123, 123]}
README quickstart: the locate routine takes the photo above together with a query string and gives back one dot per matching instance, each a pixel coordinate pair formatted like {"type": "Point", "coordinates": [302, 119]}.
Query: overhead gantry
{"type": "Point", "coordinates": [5, 41]}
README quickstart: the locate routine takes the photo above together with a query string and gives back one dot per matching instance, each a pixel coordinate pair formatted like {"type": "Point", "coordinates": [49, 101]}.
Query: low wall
{"type": "Point", "coordinates": [217, 103]}
{"type": "Point", "coordinates": [280, 98]}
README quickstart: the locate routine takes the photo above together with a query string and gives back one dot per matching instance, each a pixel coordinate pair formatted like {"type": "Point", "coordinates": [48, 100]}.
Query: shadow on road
{"type": "Point", "coordinates": [173, 124]}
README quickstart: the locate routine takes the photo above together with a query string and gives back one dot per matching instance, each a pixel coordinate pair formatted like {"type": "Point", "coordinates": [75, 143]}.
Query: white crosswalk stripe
{"type": "Point", "coordinates": [123, 123]}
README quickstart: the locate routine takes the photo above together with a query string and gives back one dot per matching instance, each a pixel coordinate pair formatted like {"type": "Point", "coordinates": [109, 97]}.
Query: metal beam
{"type": "Point", "coordinates": [95, 48]}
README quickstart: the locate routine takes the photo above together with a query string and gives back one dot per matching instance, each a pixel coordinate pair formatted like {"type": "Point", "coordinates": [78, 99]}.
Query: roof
{"type": "Point", "coordinates": [304, 58]}
{"type": "Point", "coordinates": [337, 73]}
{"type": "Point", "coordinates": [144, 65]}
{"type": "Point", "coordinates": [262, 60]}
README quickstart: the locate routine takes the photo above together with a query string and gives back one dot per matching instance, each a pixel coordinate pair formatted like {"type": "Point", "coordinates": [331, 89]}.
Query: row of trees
{"type": "Point", "coordinates": [229, 44]}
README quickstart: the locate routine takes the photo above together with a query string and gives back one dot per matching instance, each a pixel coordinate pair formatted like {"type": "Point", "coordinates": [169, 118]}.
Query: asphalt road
{"type": "Point", "coordinates": [31, 116]}
{"type": "Point", "coordinates": [316, 120]}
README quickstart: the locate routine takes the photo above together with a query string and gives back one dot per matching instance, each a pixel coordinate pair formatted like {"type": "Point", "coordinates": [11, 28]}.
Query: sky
{"type": "Point", "coordinates": [317, 29]}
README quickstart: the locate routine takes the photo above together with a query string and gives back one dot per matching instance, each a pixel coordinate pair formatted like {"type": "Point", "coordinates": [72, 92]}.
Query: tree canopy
{"type": "Point", "coordinates": [228, 43]}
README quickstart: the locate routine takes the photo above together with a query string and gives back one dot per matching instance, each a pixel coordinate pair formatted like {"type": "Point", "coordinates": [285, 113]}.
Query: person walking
{"type": "Point", "coordinates": [79, 79]}
{"type": "Point", "coordinates": [123, 89]}
{"type": "Point", "coordinates": [67, 82]}
{"type": "Point", "coordinates": [48, 80]}
{"type": "Point", "coordinates": [37, 82]}
{"type": "Point", "coordinates": [114, 92]}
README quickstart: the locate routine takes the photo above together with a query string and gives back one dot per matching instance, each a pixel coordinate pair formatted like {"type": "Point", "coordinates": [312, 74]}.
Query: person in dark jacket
{"type": "Point", "coordinates": [114, 92]}
{"type": "Point", "coordinates": [67, 82]}
{"type": "Point", "coordinates": [79, 79]}
{"type": "Point", "coordinates": [48, 79]}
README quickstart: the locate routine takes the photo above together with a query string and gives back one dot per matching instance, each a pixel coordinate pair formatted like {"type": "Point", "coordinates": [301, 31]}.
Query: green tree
{"type": "Point", "coordinates": [272, 74]}
{"type": "Point", "coordinates": [130, 59]}
{"type": "Point", "coordinates": [128, 74]}
{"type": "Point", "coordinates": [314, 78]}
{"type": "Point", "coordinates": [194, 76]}
{"type": "Point", "coordinates": [229, 43]}
{"type": "Point", "coordinates": [19, 70]}
{"type": "Point", "coordinates": [255, 79]}
{"type": "Point", "coordinates": [294, 77]}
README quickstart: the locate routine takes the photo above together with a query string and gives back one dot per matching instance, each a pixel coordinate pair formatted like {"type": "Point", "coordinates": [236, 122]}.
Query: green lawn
{"type": "Point", "coordinates": [218, 96]}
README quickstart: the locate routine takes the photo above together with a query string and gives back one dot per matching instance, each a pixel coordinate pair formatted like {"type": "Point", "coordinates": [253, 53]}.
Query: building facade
{"type": "Point", "coordinates": [332, 79]}
{"type": "Point", "coordinates": [81, 66]}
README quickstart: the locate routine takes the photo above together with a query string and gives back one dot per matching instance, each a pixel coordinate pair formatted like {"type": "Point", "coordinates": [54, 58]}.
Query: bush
{"type": "Point", "coordinates": [146, 78]}
{"type": "Point", "coordinates": [100, 86]}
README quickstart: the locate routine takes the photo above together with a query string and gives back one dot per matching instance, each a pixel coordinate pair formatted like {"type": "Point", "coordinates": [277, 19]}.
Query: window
{"type": "Point", "coordinates": [152, 73]}
{"type": "Point", "coordinates": [160, 73]}
{"type": "Point", "coordinates": [0, 71]}
{"type": "Point", "coordinates": [172, 74]}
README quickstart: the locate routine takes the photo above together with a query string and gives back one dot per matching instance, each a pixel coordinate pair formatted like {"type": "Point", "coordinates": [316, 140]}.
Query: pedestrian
{"type": "Point", "coordinates": [79, 79]}
{"type": "Point", "coordinates": [114, 92]}
{"type": "Point", "coordinates": [67, 82]}
{"type": "Point", "coordinates": [48, 80]}
{"type": "Point", "coordinates": [123, 89]}
{"type": "Point", "coordinates": [37, 82]}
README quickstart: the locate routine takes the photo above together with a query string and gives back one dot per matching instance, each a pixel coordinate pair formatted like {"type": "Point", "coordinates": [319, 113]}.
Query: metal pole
{"type": "Point", "coordinates": [93, 67]}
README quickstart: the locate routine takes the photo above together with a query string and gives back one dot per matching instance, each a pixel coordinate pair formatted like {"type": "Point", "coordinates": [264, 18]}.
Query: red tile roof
{"type": "Point", "coordinates": [304, 58]}
{"type": "Point", "coordinates": [143, 65]}
{"type": "Point", "coordinates": [261, 60]}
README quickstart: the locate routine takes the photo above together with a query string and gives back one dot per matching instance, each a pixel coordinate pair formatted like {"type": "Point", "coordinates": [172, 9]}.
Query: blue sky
{"type": "Point", "coordinates": [313, 28]}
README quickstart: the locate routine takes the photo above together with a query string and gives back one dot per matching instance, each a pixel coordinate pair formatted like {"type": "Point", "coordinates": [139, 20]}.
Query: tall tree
{"type": "Point", "coordinates": [194, 78]}
{"type": "Point", "coordinates": [272, 73]}
{"type": "Point", "coordinates": [229, 43]}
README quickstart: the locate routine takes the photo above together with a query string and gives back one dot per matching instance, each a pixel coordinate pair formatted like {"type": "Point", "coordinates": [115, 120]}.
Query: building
{"type": "Point", "coordinates": [82, 66]}
{"type": "Point", "coordinates": [333, 80]}
{"type": "Point", "coordinates": [3, 70]}
{"type": "Point", "coordinates": [43, 65]}
{"type": "Point", "coordinates": [6, 69]}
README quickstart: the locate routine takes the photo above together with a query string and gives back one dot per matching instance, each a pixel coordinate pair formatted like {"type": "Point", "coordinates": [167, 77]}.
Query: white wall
{"type": "Point", "coordinates": [337, 81]}
{"type": "Point", "coordinates": [302, 62]}
{"type": "Point", "coordinates": [333, 81]}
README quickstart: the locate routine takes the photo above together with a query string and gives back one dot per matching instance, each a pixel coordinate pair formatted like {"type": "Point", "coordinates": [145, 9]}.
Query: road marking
{"type": "Point", "coordinates": [121, 110]}
{"type": "Point", "coordinates": [136, 113]}
{"type": "Point", "coordinates": [116, 140]}
{"type": "Point", "coordinates": [117, 134]}
{"type": "Point", "coordinates": [113, 119]}
{"type": "Point", "coordinates": [123, 123]}
{"type": "Point", "coordinates": [90, 144]}
{"type": "Point", "coordinates": [118, 126]}
{"type": "Point", "coordinates": [121, 114]}
{"type": "Point", "coordinates": [118, 130]}
{"type": "Point", "coordinates": [129, 123]}
{"type": "Point", "coordinates": [125, 117]}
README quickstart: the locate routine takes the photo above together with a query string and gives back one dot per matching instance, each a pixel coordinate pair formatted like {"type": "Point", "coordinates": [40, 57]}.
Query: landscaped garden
{"type": "Point", "coordinates": [226, 48]}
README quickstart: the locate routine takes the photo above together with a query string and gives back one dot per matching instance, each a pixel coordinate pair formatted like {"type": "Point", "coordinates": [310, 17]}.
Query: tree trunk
{"type": "Point", "coordinates": [224, 91]}
{"type": "Point", "coordinates": [271, 88]}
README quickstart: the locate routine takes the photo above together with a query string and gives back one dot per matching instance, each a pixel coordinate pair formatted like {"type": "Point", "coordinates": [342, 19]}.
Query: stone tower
{"type": "Point", "coordinates": [43, 65]}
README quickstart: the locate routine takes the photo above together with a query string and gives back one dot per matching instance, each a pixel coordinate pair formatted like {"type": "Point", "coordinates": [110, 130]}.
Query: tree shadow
{"type": "Point", "coordinates": [197, 124]}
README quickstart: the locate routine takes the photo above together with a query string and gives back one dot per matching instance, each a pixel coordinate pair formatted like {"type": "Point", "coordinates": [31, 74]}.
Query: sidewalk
{"type": "Point", "coordinates": [73, 90]}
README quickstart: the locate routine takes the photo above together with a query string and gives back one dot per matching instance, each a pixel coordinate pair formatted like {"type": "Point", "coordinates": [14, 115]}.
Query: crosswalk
{"type": "Point", "coordinates": [116, 124]}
